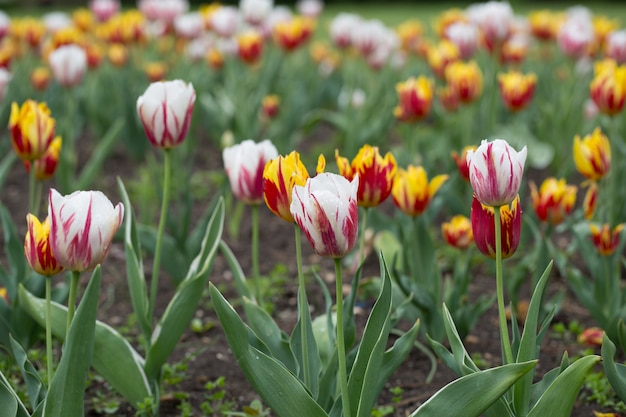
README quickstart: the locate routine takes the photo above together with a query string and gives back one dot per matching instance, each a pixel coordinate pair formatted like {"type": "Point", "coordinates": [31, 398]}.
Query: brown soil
{"type": "Point", "coordinates": [210, 356]}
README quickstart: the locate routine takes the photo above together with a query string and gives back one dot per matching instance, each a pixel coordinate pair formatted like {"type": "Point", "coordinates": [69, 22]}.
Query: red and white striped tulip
{"type": "Point", "coordinates": [244, 164]}
{"type": "Point", "coordinates": [165, 110]}
{"type": "Point", "coordinates": [495, 171]}
{"type": "Point", "coordinates": [326, 210]}
{"type": "Point", "coordinates": [68, 63]}
{"type": "Point", "coordinates": [82, 226]}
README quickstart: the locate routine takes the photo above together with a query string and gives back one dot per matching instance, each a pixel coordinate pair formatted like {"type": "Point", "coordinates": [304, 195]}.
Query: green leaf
{"type": "Point", "coordinates": [134, 266]}
{"type": "Point", "coordinates": [183, 305]}
{"type": "Point", "coordinates": [395, 356]}
{"type": "Point", "coordinates": [11, 403]}
{"type": "Point", "coordinates": [471, 395]}
{"type": "Point", "coordinates": [14, 249]}
{"type": "Point", "coordinates": [34, 385]}
{"type": "Point", "coordinates": [528, 345]}
{"type": "Point", "coordinates": [99, 155]}
{"type": "Point", "coordinates": [5, 166]}
{"type": "Point", "coordinates": [67, 389]}
{"type": "Point", "coordinates": [235, 267]}
{"type": "Point", "coordinates": [125, 373]}
{"type": "Point", "coordinates": [558, 400]}
{"type": "Point", "coordinates": [279, 388]}
{"type": "Point", "coordinates": [463, 360]}
{"type": "Point", "coordinates": [615, 372]}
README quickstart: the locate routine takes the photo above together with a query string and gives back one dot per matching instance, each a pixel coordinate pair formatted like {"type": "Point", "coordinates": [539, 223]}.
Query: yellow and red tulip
{"type": "Point", "coordinates": [415, 97]}
{"type": "Point", "coordinates": [40, 78]}
{"type": "Point", "coordinates": [32, 129]}
{"type": "Point", "coordinates": [544, 24]}
{"type": "Point", "coordinates": [441, 55]}
{"type": "Point", "coordinates": [466, 79]}
{"type": "Point", "coordinates": [376, 174]}
{"type": "Point", "coordinates": [592, 155]}
{"type": "Point", "coordinates": [326, 210]}
{"type": "Point", "coordinates": [448, 99]}
{"type": "Point", "coordinates": [604, 239]}
{"type": "Point", "coordinates": [155, 71]}
{"type": "Point", "coordinates": [484, 231]}
{"type": "Point", "coordinates": [244, 164]}
{"type": "Point", "coordinates": [293, 33]}
{"type": "Point", "coordinates": [270, 105]}
{"type": "Point", "coordinates": [411, 190]}
{"type": "Point", "coordinates": [280, 175]}
{"type": "Point", "coordinates": [495, 171]}
{"type": "Point", "coordinates": [591, 337]}
{"type": "Point", "coordinates": [250, 46]}
{"type": "Point", "coordinates": [461, 161]}
{"type": "Point", "coordinates": [516, 89]}
{"type": "Point", "coordinates": [608, 87]}
{"type": "Point", "coordinates": [590, 201]}
{"type": "Point", "coordinates": [82, 226]}
{"type": "Point", "coordinates": [37, 247]}
{"type": "Point", "coordinates": [47, 164]}
{"type": "Point", "coordinates": [458, 232]}
{"type": "Point", "coordinates": [165, 110]}
{"type": "Point", "coordinates": [554, 200]}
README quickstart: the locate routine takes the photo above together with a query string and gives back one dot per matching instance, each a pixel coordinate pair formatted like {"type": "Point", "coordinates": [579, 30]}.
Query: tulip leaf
{"type": "Point", "coordinates": [558, 399]}
{"type": "Point", "coordinates": [67, 389]}
{"type": "Point", "coordinates": [235, 267]}
{"type": "Point", "coordinates": [615, 372]}
{"type": "Point", "coordinates": [304, 324]}
{"type": "Point", "coordinates": [34, 385]}
{"type": "Point", "coordinates": [183, 305]}
{"type": "Point", "coordinates": [12, 406]}
{"type": "Point", "coordinates": [5, 166]}
{"type": "Point", "coordinates": [473, 394]}
{"type": "Point", "coordinates": [279, 388]}
{"type": "Point", "coordinates": [125, 374]}
{"type": "Point", "coordinates": [14, 249]}
{"type": "Point", "coordinates": [134, 266]}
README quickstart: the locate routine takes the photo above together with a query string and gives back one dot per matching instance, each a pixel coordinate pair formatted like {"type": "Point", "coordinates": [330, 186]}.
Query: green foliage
{"type": "Point", "coordinates": [598, 390]}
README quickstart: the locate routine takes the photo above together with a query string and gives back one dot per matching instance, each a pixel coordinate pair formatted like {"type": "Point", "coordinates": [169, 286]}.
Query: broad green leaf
{"type": "Point", "coordinates": [615, 372]}
{"type": "Point", "coordinates": [395, 356]}
{"type": "Point", "coordinates": [471, 395]}
{"type": "Point", "coordinates": [235, 267]}
{"type": "Point", "coordinates": [134, 266]}
{"type": "Point", "coordinates": [278, 387]}
{"type": "Point", "coordinates": [463, 360]}
{"type": "Point", "coordinates": [11, 403]}
{"type": "Point", "coordinates": [125, 373]}
{"type": "Point", "coordinates": [34, 385]}
{"type": "Point", "coordinates": [67, 390]}
{"type": "Point", "coordinates": [528, 345]}
{"type": "Point", "coordinates": [183, 305]}
{"type": "Point", "coordinates": [558, 399]}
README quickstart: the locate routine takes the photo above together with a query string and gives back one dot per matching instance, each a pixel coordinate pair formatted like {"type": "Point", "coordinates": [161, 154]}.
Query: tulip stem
{"type": "Point", "coordinates": [504, 330]}
{"type": "Point", "coordinates": [31, 190]}
{"type": "Point", "coordinates": [49, 330]}
{"type": "Point", "coordinates": [303, 305]}
{"type": "Point", "coordinates": [362, 240]}
{"type": "Point", "coordinates": [255, 254]}
{"type": "Point", "coordinates": [154, 282]}
{"type": "Point", "coordinates": [341, 348]}
{"type": "Point", "coordinates": [71, 302]}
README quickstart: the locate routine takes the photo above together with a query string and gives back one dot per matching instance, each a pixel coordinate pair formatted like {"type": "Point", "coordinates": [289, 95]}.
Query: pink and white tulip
{"type": "Point", "coordinates": [310, 8]}
{"type": "Point", "coordinates": [165, 111]}
{"type": "Point", "coordinates": [5, 24]}
{"type": "Point", "coordinates": [189, 25]}
{"type": "Point", "coordinates": [5, 79]}
{"type": "Point", "coordinates": [225, 21]}
{"type": "Point", "coordinates": [615, 46]}
{"type": "Point", "coordinates": [495, 172]}
{"type": "Point", "coordinates": [82, 226]}
{"type": "Point", "coordinates": [104, 9]}
{"type": "Point", "coordinates": [465, 36]}
{"type": "Point", "coordinates": [68, 64]}
{"type": "Point", "coordinates": [341, 28]}
{"type": "Point", "coordinates": [244, 164]}
{"type": "Point", "coordinates": [254, 12]}
{"type": "Point", "coordinates": [326, 210]}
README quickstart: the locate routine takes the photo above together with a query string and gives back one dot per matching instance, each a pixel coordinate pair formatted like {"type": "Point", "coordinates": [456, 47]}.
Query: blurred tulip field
{"type": "Point", "coordinates": [345, 210]}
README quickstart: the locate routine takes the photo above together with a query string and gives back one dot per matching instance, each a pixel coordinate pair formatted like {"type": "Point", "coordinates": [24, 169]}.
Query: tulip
{"type": "Point", "coordinates": [224, 21]}
{"type": "Point", "coordinates": [604, 239]}
{"type": "Point", "coordinates": [515, 49]}
{"type": "Point", "coordinates": [32, 129]}
{"type": "Point", "coordinates": [591, 200]}
{"type": "Point", "coordinates": [591, 337]}
{"type": "Point", "coordinates": [244, 164]}
{"type": "Point", "coordinates": [189, 26]}
{"type": "Point", "coordinates": [47, 164]}
{"type": "Point", "coordinates": [458, 232]}
{"type": "Point", "coordinates": [118, 55]}
{"type": "Point", "coordinates": [68, 64]}
{"type": "Point", "coordinates": [326, 210]}
{"type": "Point", "coordinates": [411, 190]}
{"type": "Point", "coordinates": [516, 89]}
{"type": "Point", "coordinates": [292, 33]}
{"type": "Point", "coordinates": [40, 78]}
{"type": "Point", "coordinates": [483, 227]}
{"type": "Point", "coordinates": [155, 71]}
{"type": "Point", "coordinates": [82, 226]}
{"type": "Point", "coordinates": [461, 161]}
{"type": "Point", "coordinates": [415, 97]}
{"type": "Point", "coordinates": [341, 28]}
{"type": "Point", "coordinates": [250, 46]}
{"type": "Point", "coordinates": [37, 247]}
{"type": "Point", "coordinates": [495, 20]}
{"type": "Point", "coordinates": [375, 173]}
{"type": "Point", "coordinates": [165, 111]}
{"type": "Point", "coordinates": [554, 200]}
{"type": "Point", "coordinates": [280, 175]}
{"type": "Point", "coordinates": [255, 12]}
{"type": "Point", "coordinates": [465, 79]}
{"type": "Point", "coordinates": [608, 87]}
{"type": "Point", "coordinates": [310, 8]}
{"type": "Point", "coordinates": [575, 37]}
{"type": "Point", "coordinates": [447, 19]}
{"type": "Point", "coordinates": [4, 295]}
{"type": "Point", "coordinates": [495, 171]}
{"type": "Point", "coordinates": [544, 24]}
{"type": "Point", "coordinates": [95, 54]}
{"type": "Point", "coordinates": [592, 155]}
{"type": "Point", "coordinates": [448, 99]}
{"type": "Point", "coordinates": [465, 36]}
{"type": "Point", "coordinates": [615, 46]}
{"type": "Point", "coordinates": [270, 105]}
{"type": "Point", "coordinates": [5, 79]}
{"type": "Point", "coordinates": [409, 33]}
{"type": "Point", "coordinates": [104, 9]}
{"type": "Point", "coordinates": [442, 55]}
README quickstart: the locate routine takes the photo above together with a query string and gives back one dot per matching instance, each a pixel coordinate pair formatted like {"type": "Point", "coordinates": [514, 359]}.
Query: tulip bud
{"type": "Point", "coordinates": [5, 79]}
{"type": "Point", "coordinates": [415, 97]}
{"type": "Point", "coordinates": [165, 111]}
{"type": "Point", "coordinates": [554, 200]}
{"type": "Point", "coordinates": [37, 247]}
{"type": "Point", "coordinates": [458, 232]}
{"type": "Point", "coordinates": [496, 171]}
{"type": "Point", "coordinates": [605, 239]}
{"type": "Point", "coordinates": [82, 226]}
{"type": "Point", "coordinates": [608, 87]}
{"type": "Point", "coordinates": [280, 175]}
{"type": "Point", "coordinates": [516, 89]}
{"type": "Point", "coordinates": [68, 64]}
{"type": "Point", "coordinates": [484, 230]}
{"type": "Point", "coordinates": [591, 337]}
{"type": "Point", "coordinates": [32, 129]}
{"type": "Point", "coordinates": [461, 161]}
{"type": "Point", "coordinates": [40, 78]}
{"type": "Point", "coordinates": [270, 106]}
{"type": "Point", "coordinates": [250, 46]}
{"type": "Point", "coordinates": [465, 79]}
{"type": "Point", "coordinates": [326, 210]}
{"type": "Point", "coordinates": [592, 155]}
{"type": "Point", "coordinates": [591, 200]}
{"type": "Point", "coordinates": [411, 190]}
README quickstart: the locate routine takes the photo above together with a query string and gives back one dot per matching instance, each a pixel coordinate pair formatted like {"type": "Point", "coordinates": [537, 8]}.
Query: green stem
{"type": "Point", "coordinates": [303, 304]}
{"type": "Point", "coordinates": [504, 331]}
{"type": "Point", "coordinates": [71, 301]}
{"type": "Point", "coordinates": [255, 253]}
{"type": "Point", "coordinates": [614, 173]}
{"type": "Point", "coordinates": [31, 189]}
{"type": "Point", "coordinates": [341, 348]}
{"type": "Point", "coordinates": [37, 204]}
{"type": "Point", "coordinates": [154, 282]}
{"type": "Point", "coordinates": [49, 329]}
{"type": "Point", "coordinates": [362, 239]}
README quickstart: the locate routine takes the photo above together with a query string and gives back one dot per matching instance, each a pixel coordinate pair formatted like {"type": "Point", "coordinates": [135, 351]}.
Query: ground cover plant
{"type": "Point", "coordinates": [312, 210]}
